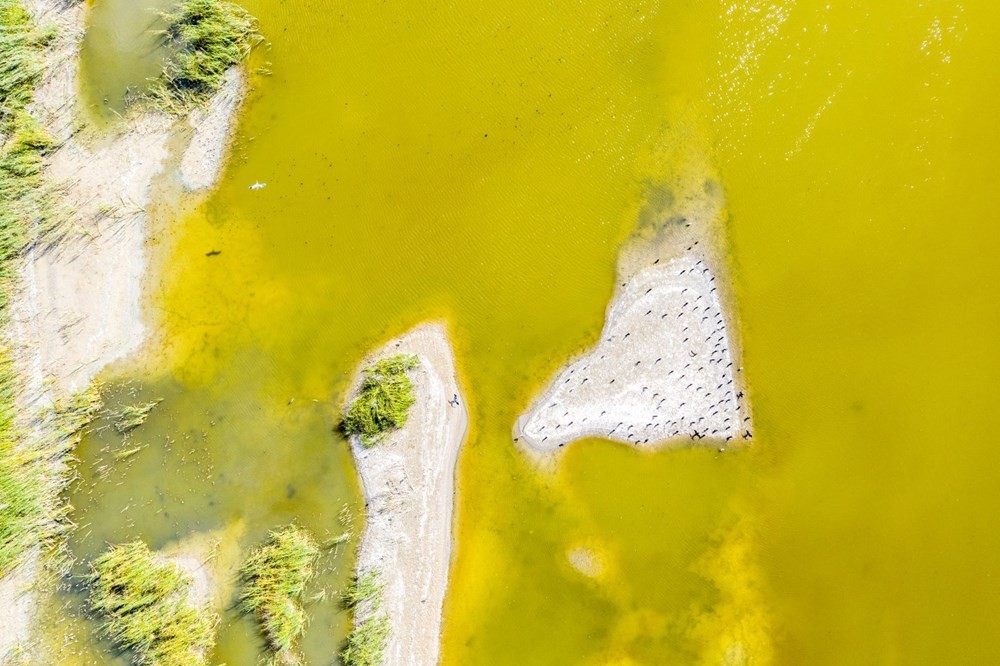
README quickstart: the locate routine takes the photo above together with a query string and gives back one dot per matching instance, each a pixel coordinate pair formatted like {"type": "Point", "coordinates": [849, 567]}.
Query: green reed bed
{"type": "Point", "coordinates": [366, 643]}
{"type": "Point", "coordinates": [27, 508]}
{"type": "Point", "coordinates": [273, 578]}
{"type": "Point", "coordinates": [207, 37]}
{"type": "Point", "coordinates": [384, 401]}
{"type": "Point", "coordinates": [145, 608]}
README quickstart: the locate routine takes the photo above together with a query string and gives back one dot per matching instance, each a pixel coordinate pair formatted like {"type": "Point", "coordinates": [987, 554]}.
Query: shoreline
{"type": "Point", "coordinates": [408, 480]}
{"type": "Point", "coordinates": [78, 303]}
{"type": "Point", "coordinates": [667, 367]}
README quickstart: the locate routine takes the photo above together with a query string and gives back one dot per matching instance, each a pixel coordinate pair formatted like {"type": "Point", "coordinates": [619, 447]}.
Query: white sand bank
{"type": "Point", "coordinates": [213, 125]}
{"type": "Point", "coordinates": [662, 369]}
{"type": "Point", "coordinates": [409, 485]}
{"type": "Point", "coordinates": [667, 364]}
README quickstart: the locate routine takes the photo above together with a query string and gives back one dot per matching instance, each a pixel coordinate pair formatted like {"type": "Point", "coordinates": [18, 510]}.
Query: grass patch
{"type": "Point", "coordinates": [207, 37]}
{"type": "Point", "coordinates": [366, 643]}
{"type": "Point", "coordinates": [385, 399]}
{"type": "Point", "coordinates": [33, 473]}
{"type": "Point", "coordinates": [144, 603]}
{"type": "Point", "coordinates": [366, 588]}
{"type": "Point", "coordinates": [273, 579]}
{"type": "Point", "coordinates": [133, 416]}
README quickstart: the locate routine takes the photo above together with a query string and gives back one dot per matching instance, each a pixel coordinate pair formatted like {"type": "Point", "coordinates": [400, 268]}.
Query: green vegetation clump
{"type": "Point", "coordinates": [366, 643]}
{"type": "Point", "coordinates": [23, 507]}
{"type": "Point", "coordinates": [273, 578]}
{"type": "Point", "coordinates": [133, 416]}
{"type": "Point", "coordinates": [144, 603]}
{"type": "Point", "coordinates": [207, 37]}
{"type": "Point", "coordinates": [366, 588]}
{"type": "Point", "coordinates": [385, 399]}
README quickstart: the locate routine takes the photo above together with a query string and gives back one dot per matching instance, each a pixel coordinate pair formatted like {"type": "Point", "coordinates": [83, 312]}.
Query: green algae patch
{"type": "Point", "coordinates": [385, 399]}
{"type": "Point", "coordinates": [144, 603]}
{"type": "Point", "coordinates": [207, 37]}
{"type": "Point", "coordinates": [274, 577]}
{"type": "Point", "coordinates": [365, 644]}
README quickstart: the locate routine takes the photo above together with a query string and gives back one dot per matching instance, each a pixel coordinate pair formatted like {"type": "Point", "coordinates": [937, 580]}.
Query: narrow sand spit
{"type": "Point", "coordinates": [200, 165]}
{"type": "Point", "coordinates": [77, 305]}
{"type": "Point", "coordinates": [666, 366]}
{"type": "Point", "coordinates": [409, 481]}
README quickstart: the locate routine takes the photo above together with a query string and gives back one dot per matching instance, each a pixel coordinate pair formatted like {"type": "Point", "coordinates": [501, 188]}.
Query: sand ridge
{"type": "Point", "coordinates": [409, 486]}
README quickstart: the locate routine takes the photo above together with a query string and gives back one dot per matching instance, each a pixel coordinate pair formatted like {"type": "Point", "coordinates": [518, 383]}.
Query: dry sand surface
{"type": "Point", "coordinates": [409, 485]}
{"type": "Point", "coordinates": [77, 305]}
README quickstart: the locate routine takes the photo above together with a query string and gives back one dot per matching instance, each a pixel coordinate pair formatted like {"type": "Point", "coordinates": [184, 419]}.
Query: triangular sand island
{"type": "Point", "coordinates": [667, 364]}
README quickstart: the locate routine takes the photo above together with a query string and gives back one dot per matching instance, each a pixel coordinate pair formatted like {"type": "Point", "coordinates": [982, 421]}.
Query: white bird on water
{"type": "Point", "coordinates": [258, 186]}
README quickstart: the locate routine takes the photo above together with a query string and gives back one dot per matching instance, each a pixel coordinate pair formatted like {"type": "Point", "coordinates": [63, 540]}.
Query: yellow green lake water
{"type": "Point", "coordinates": [483, 164]}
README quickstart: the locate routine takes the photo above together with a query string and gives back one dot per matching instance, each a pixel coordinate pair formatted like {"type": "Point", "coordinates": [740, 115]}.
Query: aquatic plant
{"type": "Point", "coordinates": [384, 400]}
{"type": "Point", "coordinates": [133, 416]}
{"type": "Point", "coordinates": [144, 603]}
{"type": "Point", "coordinates": [273, 577]}
{"type": "Point", "coordinates": [207, 37]}
{"type": "Point", "coordinates": [366, 642]}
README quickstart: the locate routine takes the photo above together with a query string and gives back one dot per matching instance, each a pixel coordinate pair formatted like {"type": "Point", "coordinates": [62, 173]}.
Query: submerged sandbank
{"type": "Point", "coordinates": [409, 485]}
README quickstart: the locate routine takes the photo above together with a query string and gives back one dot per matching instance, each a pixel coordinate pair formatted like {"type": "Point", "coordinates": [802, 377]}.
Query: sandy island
{"type": "Point", "coordinates": [77, 305]}
{"type": "Point", "coordinates": [409, 486]}
{"type": "Point", "coordinates": [667, 364]}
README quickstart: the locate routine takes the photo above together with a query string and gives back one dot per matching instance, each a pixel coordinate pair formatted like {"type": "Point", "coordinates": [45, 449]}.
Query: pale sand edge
{"type": "Point", "coordinates": [77, 307]}
{"type": "Point", "coordinates": [409, 485]}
